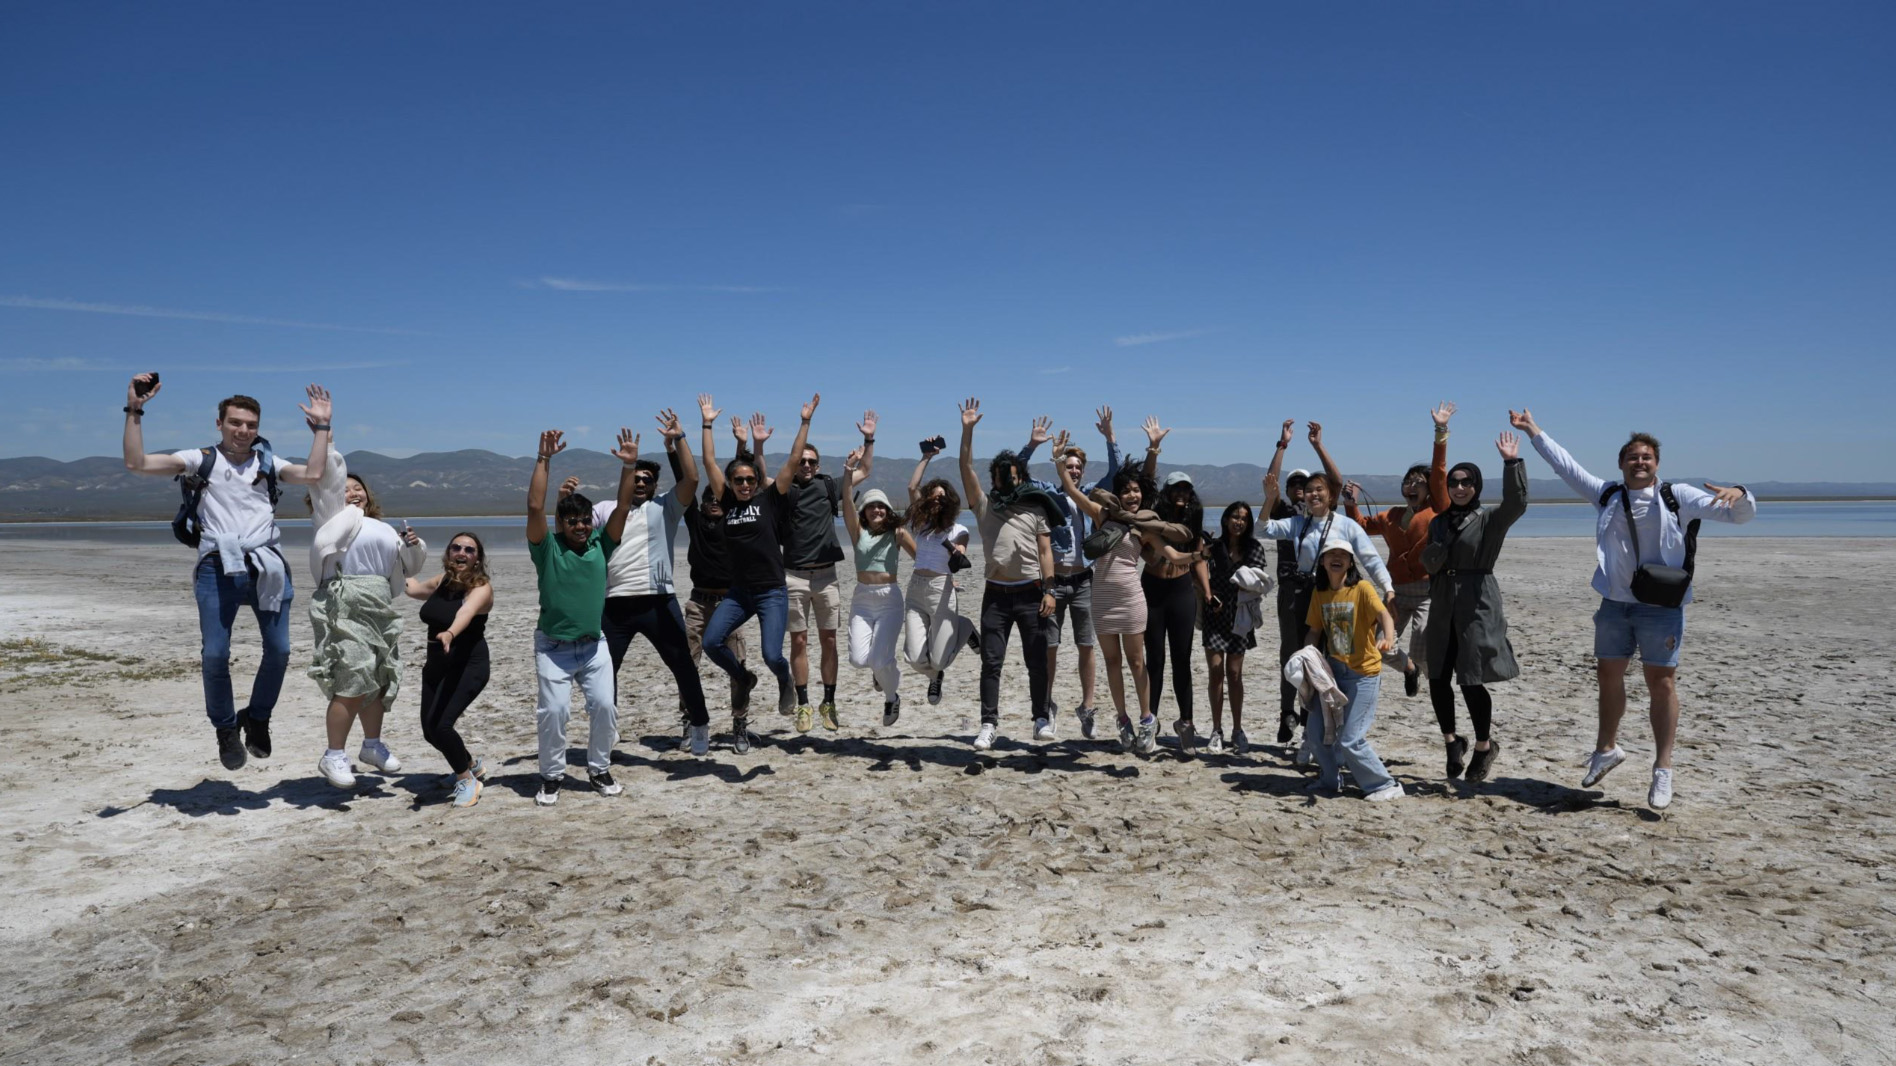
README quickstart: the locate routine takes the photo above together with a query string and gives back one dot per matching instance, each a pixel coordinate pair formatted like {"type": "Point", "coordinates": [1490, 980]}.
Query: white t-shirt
{"type": "Point", "coordinates": [642, 565]}
{"type": "Point", "coordinates": [374, 551]}
{"type": "Point", "coordinates": [236, 499]}
{"type": "Point", "coordinates": [929, 552]}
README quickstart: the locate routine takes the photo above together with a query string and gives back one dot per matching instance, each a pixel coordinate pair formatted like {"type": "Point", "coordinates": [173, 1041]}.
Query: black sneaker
{"type": "Point", "coordinates": [603, 784]}
{"type": "Point", "coordinates": [549, 793]}
{"type": "Point", "coordinates": [230, 749]}
{"type": "Point", "coordinates": [1286, 726]}
{"type": "Point", "coordinates": [741, 690]}
{"type": "Point", "coordinates": [256, 735]}
{"type": "Point", "coordinates": [1457, 755]}
{"type": "Point", "coordinates": [934, 689]}
{"type": "Point", "coordinates": [1480, 762]}
{"type": "Point", "coordinates": [740, 736]}
{"type": "Point", "coordinates": [1411, 682]}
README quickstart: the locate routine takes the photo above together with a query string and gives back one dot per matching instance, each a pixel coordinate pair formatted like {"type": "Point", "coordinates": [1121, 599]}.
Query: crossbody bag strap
{"type": "Point", "coordinates": [1632, 527]}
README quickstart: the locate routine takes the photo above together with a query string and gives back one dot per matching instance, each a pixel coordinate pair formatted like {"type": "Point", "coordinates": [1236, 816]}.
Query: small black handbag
{"type": "Point", "coordinates": [1660, 586]}
{"type": "Point", "coordinates": [1103, 539]}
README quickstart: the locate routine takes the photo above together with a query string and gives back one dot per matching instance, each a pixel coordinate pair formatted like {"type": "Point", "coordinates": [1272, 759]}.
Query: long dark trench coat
{"type": "Point", "coordinates": [1465, 599]}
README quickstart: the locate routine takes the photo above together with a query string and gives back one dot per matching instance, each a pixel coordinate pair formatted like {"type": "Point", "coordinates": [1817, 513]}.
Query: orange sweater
{"type": "Point", "coordinates": [1405, 531]}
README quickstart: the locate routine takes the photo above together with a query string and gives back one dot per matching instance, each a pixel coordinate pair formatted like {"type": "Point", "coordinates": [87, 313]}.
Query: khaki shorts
{"type": "Point", "coordinates": [814, 592]}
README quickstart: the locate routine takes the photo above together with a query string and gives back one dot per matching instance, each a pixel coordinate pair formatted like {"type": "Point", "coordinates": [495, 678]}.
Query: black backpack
{"type": "Point", "coordinates": [185, 525]}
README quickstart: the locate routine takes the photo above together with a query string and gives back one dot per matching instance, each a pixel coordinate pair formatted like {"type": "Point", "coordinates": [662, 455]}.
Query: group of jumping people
{"type": "Point", "coordinates": [1126, 562]}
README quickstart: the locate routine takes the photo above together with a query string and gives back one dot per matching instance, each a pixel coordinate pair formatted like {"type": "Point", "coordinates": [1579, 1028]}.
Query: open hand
{"type": "Point", "coordinates": [1061, 441]}
{"type": "Point", "coordinates": [668, 426]}
{"type": "Point", "coordinates": [1508, 445]}
{"type": "Point", "coordinates": [317, 411]}
{"type": "Point", "coordinates": [1154, 433]}
{"type": "Point", "coordinates": [1105, 421]}
{"type": "Point", "coordinates": [551, 443]}
{"type": "Point", "coordinates": [867, 427]}
{"type": "Point", "coordinates": [1725, 496]}
{"type": "Point", "coordinates": [760, 432]}
{"type": "Point", "coordinates": [1042, 431]}
{"type": "Point", "coordinates": [1442, 413]}
{"type": "Point", "coordinates": [628, 450]}
{"type": "Point", "coordinates": [970, 412]}
{"type": "Point", "coordinates": [737, 430]}
{"type": "Point", "coordinates": [708, 412]}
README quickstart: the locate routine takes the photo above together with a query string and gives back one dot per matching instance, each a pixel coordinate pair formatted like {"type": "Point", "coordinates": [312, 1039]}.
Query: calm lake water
{"type": "Point", "coordinates": [1828, 519]}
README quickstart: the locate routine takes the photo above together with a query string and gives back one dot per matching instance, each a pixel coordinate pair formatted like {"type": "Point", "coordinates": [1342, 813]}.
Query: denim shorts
{"type": "Point", "coordinates": [1656, 632]}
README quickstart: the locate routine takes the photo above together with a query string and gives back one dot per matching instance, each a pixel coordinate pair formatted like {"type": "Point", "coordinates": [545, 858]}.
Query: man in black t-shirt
{"type": "Point", "coordinates": [810, 556]}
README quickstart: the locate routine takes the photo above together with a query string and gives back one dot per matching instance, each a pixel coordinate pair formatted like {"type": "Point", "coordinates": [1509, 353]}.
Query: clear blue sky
{"type": "Point", "coordinates": [473, 221]}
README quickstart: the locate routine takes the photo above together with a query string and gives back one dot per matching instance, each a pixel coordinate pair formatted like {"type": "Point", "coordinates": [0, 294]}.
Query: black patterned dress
{"type": "Point", "coordinates": [1216, 624]}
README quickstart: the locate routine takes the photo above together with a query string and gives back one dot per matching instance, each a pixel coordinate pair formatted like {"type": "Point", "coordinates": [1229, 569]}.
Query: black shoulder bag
{"type": "Point", "coordinates": [1660, 586]}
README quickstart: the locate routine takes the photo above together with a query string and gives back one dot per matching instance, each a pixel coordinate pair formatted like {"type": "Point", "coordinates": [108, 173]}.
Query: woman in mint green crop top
{"type": "Point", "coordinates": [875, 609]}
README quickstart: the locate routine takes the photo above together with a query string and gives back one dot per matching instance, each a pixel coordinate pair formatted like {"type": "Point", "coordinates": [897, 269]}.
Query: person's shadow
{"type": "Point", "coordinates": [214, 796]}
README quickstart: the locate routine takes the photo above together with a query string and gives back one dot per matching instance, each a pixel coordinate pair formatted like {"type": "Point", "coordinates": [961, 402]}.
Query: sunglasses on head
{"type": "Point", "coordinates": [743, 481]}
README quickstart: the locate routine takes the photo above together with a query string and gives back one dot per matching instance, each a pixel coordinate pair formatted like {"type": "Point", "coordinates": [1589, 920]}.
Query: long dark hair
{"type": "Point", "coordinates": [1247, 539]}
{"type": "Point", "coordinates": [1189, 512]}
{"type": "Point", "coordinates": [935, 516]}
{"type": "Point", "coordinates": [1133, 474]}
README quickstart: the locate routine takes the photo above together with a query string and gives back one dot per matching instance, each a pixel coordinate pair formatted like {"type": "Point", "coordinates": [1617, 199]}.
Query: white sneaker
{"type": "Point", "coordinates": [985, 738]}
{"type": "Point", "coordinates": [700, 741]}
{"type": "Point", "coordinates": [1383, 795]}
{"type": "Point", "coordinates": [1660, 795]}
{"type": "Point", "coordinates": [1215, 743]}
{"type": "Point", "coordinates": [1601, 763]}
{"type": "Point", "coordinates": [334, 766]}
{"type": "Point", "coordinates": [1043, 729]}
{"type": "Point", "coordinates": [376, 754]}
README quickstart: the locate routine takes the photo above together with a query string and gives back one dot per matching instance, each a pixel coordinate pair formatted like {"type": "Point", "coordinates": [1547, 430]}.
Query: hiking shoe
{"type": "Point", "coordinates": [1086, 716]}
{"type": "Point", "coordinates": [335, 768]}
{"type": "Point", "coordinates": [230, 749]}
{"type": "Point", "coordinates": [891, 710]}
{"type": "Point", "coordinates": [1457, 755]}
{"type": "Point", "coordinates": [603, 783]}
{"type": "Point", "coordinates": [806, 718]}
{"type": "Point", "coordinates": [741, 690]}
{"type": "Point", "coordinates": [1215, 744]}
{"type": "Point", "coordinates": [934, 689]}
{"type": "Point", "coordinates": [1391, 791]}
{"type": "Point", "coordinates": [741, 738]}
{"type": "Point", "coordinates": [1411, 682]}
{"type": "Point", "coordinates": [700, 740]}
{"type": "Point", "coordinates": [549, 793]}
{"type": "Point", "coordinates": [1043, 729]}
{"type": "Point", "coordinates": [1127, 738]}
{"type": "Point", "coordinates": [786, 698]}
{"type": "Point", "coordinates": [1479, 762]}
{"type": "Point", "coordinates": [1148, 734]}
{"type": "Point", "coordinates": [827, 712]}
{"type": "Point", "coordinates": [376, 754]}
{"type": "Point", "coordinates": [984, 740]}
{"type": "Point", "coordinates": [1286, 726]}
{"type": "Point", "coordinates": [467, 791]}
{"type": "Point", "coordinates": [256, 735]}
{"type": "Point", "coordinates": [1239, 742]}
{"type": "Point", "coordinates": [1601, 763]}
{"type": "Point", "coordinates": [1187, 735]}
{"type": "Point", "coordinates": [1659, 796]}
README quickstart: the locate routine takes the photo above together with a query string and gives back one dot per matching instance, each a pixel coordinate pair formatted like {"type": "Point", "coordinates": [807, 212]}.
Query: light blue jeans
{"type": "Point", "coordinates": [1352, 739]}
{"type": "Point", "coordinates": [560, 663]}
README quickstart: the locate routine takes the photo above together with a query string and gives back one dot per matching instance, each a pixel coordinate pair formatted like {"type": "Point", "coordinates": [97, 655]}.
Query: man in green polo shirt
{"type": "Point", "coordinates": [566, 645]}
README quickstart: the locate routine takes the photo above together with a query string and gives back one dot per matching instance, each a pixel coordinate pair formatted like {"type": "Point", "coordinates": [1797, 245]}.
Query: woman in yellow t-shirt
{"type": "Point", "coordinates": [1345, 615]}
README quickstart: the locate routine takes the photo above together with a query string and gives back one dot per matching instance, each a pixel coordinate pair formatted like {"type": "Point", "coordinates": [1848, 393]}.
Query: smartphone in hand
{"type": "Point", "coordinates": [144, 388]}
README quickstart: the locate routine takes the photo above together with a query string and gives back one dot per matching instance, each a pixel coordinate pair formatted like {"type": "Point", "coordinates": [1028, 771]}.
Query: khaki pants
{"type": "Point", "coordinates": [696, 615]}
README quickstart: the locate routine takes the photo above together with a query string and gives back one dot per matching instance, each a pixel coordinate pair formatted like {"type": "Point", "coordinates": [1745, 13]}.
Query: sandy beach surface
{"type": "Point", "coordinates": [881, 895]}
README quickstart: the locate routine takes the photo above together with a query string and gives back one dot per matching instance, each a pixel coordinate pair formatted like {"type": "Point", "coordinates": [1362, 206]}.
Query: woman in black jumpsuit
{"type": "Point", "coordinates": [455, 607]}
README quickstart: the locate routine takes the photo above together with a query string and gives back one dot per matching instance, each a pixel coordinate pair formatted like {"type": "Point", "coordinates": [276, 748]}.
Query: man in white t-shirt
{"type": "Point", "coordinates": [238, 564]}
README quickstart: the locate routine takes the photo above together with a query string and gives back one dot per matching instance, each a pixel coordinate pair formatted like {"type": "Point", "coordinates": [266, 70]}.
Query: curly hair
{"type": "Point", "coordinates": [931, 515]}
{"type": "Point", "coordinates": [476, 575]}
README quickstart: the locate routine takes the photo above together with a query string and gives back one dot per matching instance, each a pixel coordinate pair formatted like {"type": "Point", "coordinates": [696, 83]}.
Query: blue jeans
{"type": "Point", "coordinates": [219, 595]}
{"type": "Point", "coordinates": [1352, 738]}
{"type": "Point", "coordinates": [1657, 632]}
{"type": "Point", "coordinates": [770, 605]}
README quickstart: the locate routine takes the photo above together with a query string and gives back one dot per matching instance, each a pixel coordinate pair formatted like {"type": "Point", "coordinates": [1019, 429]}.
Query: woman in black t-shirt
{"type": "Point", "coordinates": [455, 608]}
{"type": "Point", "coordinates": [755, 516]}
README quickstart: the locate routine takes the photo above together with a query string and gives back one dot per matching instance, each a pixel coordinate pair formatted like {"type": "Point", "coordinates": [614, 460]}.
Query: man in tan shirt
{"type": "Point", "coordinates": [1016, 520]}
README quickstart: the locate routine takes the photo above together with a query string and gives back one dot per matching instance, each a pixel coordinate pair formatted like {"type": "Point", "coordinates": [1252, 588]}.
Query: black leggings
{"type": "Point", "coordinates": [660, 621]}
{"type": "Point", "coordinates": [1292, 608]}
{"type": "Point", "coordinates": [1002, 608]}
{"type": "Point", "coordinates": [1171, 613]}
{"type": "Point", "coordinates": [450, 681]}
{"type": "Point", "coordinates": [1442, 695]}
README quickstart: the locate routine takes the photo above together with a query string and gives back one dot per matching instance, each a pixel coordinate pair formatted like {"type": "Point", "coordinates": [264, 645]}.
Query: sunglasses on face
{"type": "Point", "coordinates": [583, 520]}
{"type": "Point", "coordinates": [743, 481]}
{"type": "Point", "coordinates": [463, 549]}
{"type": "Point", "coordinates": [643, 479]}
{"type": "Point", "coordinates": [1461, 483]}
{"type": "Point", "coordinates": [810, 462]}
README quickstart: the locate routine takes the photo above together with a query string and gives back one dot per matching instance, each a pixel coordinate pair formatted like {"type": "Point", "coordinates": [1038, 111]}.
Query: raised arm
{"type": "Point", "coordinates": [1323, 454]}
{"type": "Point", "coordinates": [678, 454]}
{"type": "Point", "coordinates": [317, 413]}
{"type": "Point", "coordinates": [1041, 433]}
{"type": "Point", "coordinates": [921, 470]}
{"type": "Point", "coordinates": [1086, 506]}
{"type": "Point", "coordinates": [628, 455]}
{"type": "Point", "coordinates": [970, 484]}
{"type": "Point", "coordinates": [1513, 483]}
{"type": "Point", "coordinates": [867, 427]}
{"type": "Point", "coordinates": [788, 474]}
{"type": "Point", "coordinates": [851, 520]}
{"type": "Point", "coordinates": [1438, 459]}
{"type": "Point", "coordinates": [1570, 471]}
{"type": "Point", "coordinates": [1734, 503]}
{"type": "Point", "coordinates": [707, 421]}
{"type": "Point", "coordinates": [550, 446]}
{"type": "Point", "coordinates": [1154, 435]}
{"type": "Point", "coordinates": [136, 459]}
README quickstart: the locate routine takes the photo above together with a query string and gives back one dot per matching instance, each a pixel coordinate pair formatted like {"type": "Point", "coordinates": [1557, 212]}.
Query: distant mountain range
{"type": "Point", "coordinates": [475, 482]}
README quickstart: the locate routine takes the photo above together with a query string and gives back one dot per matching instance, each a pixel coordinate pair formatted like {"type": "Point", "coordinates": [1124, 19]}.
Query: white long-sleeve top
{"type": "Point", "coordinates": [1661, 533]}
{"type": "Point", "coordinates": [1308, 533]}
